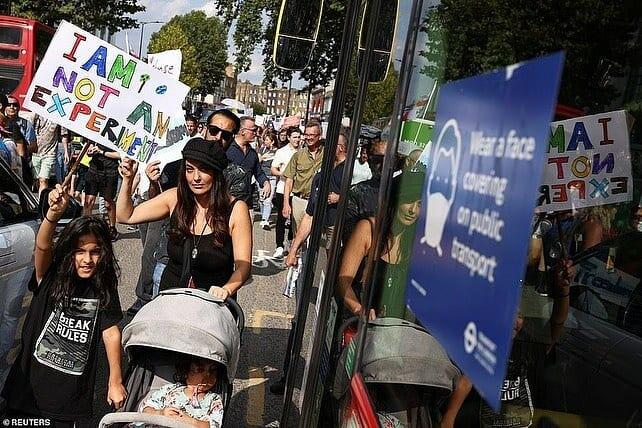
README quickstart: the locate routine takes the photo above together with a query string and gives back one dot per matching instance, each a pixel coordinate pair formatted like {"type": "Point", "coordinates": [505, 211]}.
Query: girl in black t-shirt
{"type": "Point", "coordinates": [75, 301]}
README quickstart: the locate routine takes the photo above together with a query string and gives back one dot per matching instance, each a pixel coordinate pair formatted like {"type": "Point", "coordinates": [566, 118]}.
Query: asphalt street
{"type": "Point", "coordinates": [267, 313]}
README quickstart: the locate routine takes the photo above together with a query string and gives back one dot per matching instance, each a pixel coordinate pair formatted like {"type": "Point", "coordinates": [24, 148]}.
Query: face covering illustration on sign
{"type": "Point", "coordinates": [442, 184]}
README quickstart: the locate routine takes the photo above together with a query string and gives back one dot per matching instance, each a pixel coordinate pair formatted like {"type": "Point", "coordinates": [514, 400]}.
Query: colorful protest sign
{"type": "Point", "coordinates": [106, 95]}
{"type": "Point", "coordinates": [588, 163]}
{"type": "Point", "coordinates": [469, 252]}
{"type": "Point", "coordinates": [167, 62]}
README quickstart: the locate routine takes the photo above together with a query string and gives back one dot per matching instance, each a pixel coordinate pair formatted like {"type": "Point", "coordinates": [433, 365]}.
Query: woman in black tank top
{"type": "Point", "coordinates": [210, 235]}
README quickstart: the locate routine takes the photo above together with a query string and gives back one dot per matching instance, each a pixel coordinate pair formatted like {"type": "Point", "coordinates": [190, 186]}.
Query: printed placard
{"type": "Point", "coordinates": [588, 163]}
{"type": "Point", "coordinates": [482, 178]}
{"type": "Point", "coordinates": [106, 95]}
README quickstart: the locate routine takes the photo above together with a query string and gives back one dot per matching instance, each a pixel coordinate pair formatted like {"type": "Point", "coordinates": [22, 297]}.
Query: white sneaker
{"type": "Point", "coordinates": [278, 253]}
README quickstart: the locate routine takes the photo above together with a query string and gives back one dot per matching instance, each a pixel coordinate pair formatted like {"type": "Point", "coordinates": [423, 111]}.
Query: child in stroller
{"type": "Point", "coordinates": [187, 336]}
{"type": "Point", "coordinates": [191, 398]}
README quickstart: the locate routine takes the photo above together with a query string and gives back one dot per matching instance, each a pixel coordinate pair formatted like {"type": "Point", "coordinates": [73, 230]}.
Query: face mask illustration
{"type": "Point", "coordinates": [442, 184]}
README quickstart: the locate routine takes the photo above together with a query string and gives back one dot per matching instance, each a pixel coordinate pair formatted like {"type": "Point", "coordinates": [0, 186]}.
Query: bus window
{"type": "Point", "coordinates": [10, 77]}
{"type": "Point", "coordinates": [10, 36]}
{"type": "Point", "coordinates": [9, 54]}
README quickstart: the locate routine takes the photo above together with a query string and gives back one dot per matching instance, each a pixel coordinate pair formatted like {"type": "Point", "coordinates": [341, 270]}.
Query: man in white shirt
{"type": "Point", "coordinates": [361, 171]}
{"type": "Point", "coordinates": [279, 163]}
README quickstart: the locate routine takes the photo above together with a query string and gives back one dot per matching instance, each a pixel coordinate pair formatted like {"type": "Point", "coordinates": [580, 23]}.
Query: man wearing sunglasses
{"type": "Point", "coordinates": [23, 134]}
{"type": "Point", "coordinates": [241, 153]}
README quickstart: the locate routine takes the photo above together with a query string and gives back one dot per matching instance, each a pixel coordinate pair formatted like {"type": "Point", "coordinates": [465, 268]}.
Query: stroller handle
{"type": "Point", "coordinates": [128, 417]}
{"type": "Point", "coordinates": [237, 313]}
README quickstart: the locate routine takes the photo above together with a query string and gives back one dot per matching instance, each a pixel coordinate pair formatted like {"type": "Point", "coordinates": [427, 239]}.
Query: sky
{"type": "Point", "coordinates": [155, 12]}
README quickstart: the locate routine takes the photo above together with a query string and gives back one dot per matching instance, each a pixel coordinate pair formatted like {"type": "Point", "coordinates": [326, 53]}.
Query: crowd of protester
{"type": "Point", "coordinates": [196, 222]}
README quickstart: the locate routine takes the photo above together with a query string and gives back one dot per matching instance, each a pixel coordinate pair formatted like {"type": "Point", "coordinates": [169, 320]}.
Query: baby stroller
{"type": "Point", "coordinates": [178, 321]}
{"type": "Point", "coordinates": [407, 373]}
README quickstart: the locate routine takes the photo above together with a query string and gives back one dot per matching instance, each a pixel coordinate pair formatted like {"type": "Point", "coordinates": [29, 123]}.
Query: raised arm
{"type": "Point", "coordinates": [43, 254]}
{"type": "Point", "coordinates": [155, 209]}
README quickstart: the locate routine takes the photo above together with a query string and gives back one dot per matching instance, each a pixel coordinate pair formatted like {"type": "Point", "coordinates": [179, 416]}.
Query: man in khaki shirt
{"type": "Point", "coordinates": [299, 173]}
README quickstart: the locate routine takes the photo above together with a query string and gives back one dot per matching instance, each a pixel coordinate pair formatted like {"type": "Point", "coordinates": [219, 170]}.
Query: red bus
{"type": "Point", "coordinates": [23, 43]}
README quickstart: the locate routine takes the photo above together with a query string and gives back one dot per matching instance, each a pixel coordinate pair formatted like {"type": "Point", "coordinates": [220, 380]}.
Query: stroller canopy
{"type": "Point", "coordinates": [189, 321]}
{"type": "Point", "coordinates": [400, 352]}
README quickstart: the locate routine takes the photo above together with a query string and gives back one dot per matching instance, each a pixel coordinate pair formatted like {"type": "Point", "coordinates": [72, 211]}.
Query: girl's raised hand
{"type": "Point", "coordinates": [59, 199]}
{"type": "Point", "coordinates": [128, 167]}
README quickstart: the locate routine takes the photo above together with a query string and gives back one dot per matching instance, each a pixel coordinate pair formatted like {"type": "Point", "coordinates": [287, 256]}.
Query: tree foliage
{"type": "Point", "coordinates": [90, 15]}
{"type": "Point", "coordinates": [258, 108]}
{"type": "Point", "coordinates": [379, 99]}
{"type": "Point", "coordinates": [207, 38]}
{"type": "Point", "coordinates": [256, 22]}
{"type": "Point", "coordinates": [171, 36]}
{"type": "Point", "coordinates": [597, 36]}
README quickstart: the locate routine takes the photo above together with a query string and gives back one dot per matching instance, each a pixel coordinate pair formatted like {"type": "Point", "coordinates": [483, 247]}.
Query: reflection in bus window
{"type": "Point", "coordinates": [391, 266]}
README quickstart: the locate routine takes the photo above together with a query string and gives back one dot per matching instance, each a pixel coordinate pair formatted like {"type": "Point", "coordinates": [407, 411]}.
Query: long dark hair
{"type": "Point", "coordinates": [218, 210]}
{"type": "Point", "coordinates": [63, 266]}
{"type": "Point", "coordinates": [406, 187]}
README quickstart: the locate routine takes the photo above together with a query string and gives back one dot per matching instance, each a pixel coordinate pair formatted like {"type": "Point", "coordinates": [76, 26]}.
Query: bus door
{"type": "Point", "coordinates": [374, 39]}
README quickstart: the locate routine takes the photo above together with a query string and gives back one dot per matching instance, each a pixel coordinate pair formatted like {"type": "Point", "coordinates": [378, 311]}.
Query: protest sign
{"type": "Point", "coordinates": [167, 62]}
{"type": "Point", "coordinates": [482, 178]}
{"type": "Point", "coordinates": [106, 95]}
{"type": "Point", "coordinates": [588, 163]}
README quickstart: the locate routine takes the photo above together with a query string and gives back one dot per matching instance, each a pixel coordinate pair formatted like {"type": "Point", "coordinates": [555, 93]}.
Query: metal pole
{"type": "Point", "coordinates": [287, 107]}
{"type": "Point", "coordinates": [307, 107]}
{"type": "Point", "coordinates": [140, 45]}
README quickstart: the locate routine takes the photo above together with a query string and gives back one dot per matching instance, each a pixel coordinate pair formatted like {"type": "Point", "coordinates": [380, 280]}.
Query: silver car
{"type": "Point", "coordinates": [19, 220]}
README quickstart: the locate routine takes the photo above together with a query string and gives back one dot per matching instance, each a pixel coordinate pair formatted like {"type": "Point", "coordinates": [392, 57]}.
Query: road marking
{"type": "Point", "coordinates": [257, 380]}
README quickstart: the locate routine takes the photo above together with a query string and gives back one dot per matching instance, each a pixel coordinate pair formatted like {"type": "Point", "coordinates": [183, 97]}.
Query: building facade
{"type": "Point", "coordinates": [277, 102]}
{"type": "Point", "coordinates": [248, 93]}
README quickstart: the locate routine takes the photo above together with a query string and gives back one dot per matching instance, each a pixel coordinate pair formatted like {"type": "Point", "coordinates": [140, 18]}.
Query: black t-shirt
{"type": "Point", "coordinates": [517, 390]}
{"type": "Point", "coordinates": [335, 187]}
{"type": "Point", "coordinates": [103, 163]}
{"type": "Point", "coordinates": [55, 371]}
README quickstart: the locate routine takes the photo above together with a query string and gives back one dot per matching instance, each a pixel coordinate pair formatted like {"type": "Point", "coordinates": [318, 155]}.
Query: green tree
{"type": "Point", "coordinates": [171, 36]}
{"type": "Point", "coordinates": [251, 32]}
{"type": "Point", "coordinates": [380, 98]}
{"type": "Point", "coordinates": [485, 34]}
{"type": "Point", "coordinates": [207, 36]}
{"type": "Point", "coordinates": [258, 108]}
{"type": "Point", "coordinates": [90, 15]}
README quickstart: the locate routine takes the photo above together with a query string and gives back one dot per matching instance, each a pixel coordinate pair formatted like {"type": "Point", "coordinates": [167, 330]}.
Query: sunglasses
{"type": "Point", "coordinates": [14, 105]}
{"type": "Point", "coordinates": [225, 135]}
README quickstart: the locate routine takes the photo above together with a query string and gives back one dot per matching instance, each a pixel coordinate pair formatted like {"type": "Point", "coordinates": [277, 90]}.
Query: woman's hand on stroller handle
{"type": "Point", "coordinates": [220, 292]}
{"type": "Point", "coordinates": [116, 395]}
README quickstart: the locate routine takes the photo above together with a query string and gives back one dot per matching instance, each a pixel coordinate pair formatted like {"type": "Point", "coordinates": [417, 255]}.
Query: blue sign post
{"type": "Point", "coordinates": [481, 186]}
